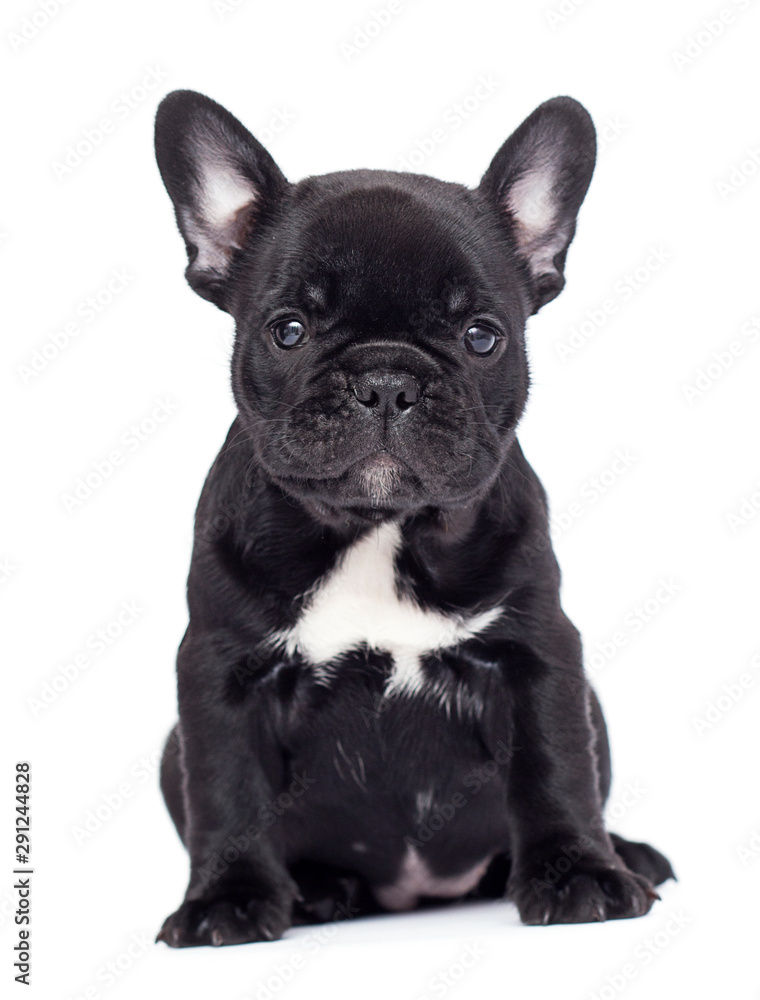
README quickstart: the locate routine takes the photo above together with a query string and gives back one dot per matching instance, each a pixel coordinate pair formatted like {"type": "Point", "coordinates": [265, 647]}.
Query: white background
{"type": "Point", "coordinates": [676, 128]}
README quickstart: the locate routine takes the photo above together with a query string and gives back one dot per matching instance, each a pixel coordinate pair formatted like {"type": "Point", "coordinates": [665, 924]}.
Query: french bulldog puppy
{"type": "Point", "coordinates": [381, 701]}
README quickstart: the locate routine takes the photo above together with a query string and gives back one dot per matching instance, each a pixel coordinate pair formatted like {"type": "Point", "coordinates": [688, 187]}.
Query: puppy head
{"type": "Point", "coordinates": [379, 363]}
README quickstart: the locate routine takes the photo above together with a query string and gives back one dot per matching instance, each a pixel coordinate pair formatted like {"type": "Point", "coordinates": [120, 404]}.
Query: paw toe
{"type": "Point", "coordinates": [587, 897]}
{"type": "Point", "coordinates": [222, 922]}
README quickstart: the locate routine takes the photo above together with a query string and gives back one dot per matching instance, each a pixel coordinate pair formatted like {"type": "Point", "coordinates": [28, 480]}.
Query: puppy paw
{"type": "Point", "coordinates": [226, 921]}
{"type": "Point", "coordinates": [584, 895]}
{"type": "Point", "coordinates": [644, 859]}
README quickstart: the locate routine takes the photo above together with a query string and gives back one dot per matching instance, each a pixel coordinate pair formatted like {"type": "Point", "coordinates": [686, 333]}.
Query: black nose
{"type": "Point", "coordinates": [392, 392]}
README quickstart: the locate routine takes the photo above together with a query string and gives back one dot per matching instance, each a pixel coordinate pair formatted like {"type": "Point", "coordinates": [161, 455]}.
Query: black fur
{"type": "Point", "coordinates": [271, 777]}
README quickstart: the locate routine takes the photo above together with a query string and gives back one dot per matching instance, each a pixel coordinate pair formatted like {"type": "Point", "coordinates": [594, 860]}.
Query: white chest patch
{"type": "Point", "coordinates": [359, 603]}
{"type": "Point", "coordinates": [415, 879]}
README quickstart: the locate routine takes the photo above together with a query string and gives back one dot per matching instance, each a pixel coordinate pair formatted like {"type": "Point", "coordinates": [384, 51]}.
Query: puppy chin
{"type": "Point", "coordinates": [379, 479]}
{"type": "Point", "coordinates": [376, 488]}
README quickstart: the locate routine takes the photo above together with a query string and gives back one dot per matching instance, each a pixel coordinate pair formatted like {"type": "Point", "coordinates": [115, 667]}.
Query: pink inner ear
{"type": "Point", "coordinates": [222, 218]}
{"type": "Point", "coordinates": [539, 232]}
{"type": "Point", "coordinates": [531, 200]}
{"type": "Point", "coordinates": [239, 225]}
{"type": "Point", "coordinates": [223, 192]}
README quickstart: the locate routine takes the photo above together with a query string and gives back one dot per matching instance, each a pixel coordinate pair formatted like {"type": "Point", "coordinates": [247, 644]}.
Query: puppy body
{"type": "Point", "coordinates": [380, 697]}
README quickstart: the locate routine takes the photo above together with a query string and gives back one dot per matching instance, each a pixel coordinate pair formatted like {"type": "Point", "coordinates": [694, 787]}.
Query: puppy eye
{"type": "Point", "coordinates": [289, 333]}
{"type": "Point", "coordinates": [480, 340]}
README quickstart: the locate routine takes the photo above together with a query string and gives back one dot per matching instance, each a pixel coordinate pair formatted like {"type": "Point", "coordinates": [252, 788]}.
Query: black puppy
{"type": "Point", "coordinates": [380, 698]}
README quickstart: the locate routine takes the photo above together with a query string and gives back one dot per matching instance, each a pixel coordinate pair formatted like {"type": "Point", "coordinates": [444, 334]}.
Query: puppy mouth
{"type": "Point", "coordinates": [372, 486]}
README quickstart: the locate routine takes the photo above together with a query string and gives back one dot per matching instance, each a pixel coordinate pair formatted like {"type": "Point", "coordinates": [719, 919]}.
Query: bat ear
{"type": "Point", "coordinates": [221, 181]}
{"type": "Point", "coordinates": [537, 181]}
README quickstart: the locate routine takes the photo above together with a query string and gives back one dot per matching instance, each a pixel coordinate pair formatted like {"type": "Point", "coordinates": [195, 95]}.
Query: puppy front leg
{"type": "Point", "coordinates": [240, 889]}
{"type": "Point", "coordinates": [565, 869]}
